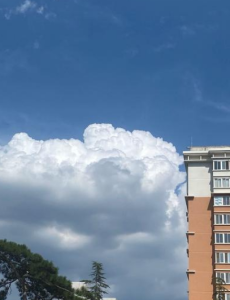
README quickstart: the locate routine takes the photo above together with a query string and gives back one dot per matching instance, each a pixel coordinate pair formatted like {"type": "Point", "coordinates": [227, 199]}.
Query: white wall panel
{"type": "Point", "coordinates": [199, 179]}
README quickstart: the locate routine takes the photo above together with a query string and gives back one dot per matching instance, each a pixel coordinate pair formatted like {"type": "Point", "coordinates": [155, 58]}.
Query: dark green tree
{"type": "Point", "coordinates": [220, 289]}
{"type": "Point", "coordinates": [97, 286]}
{"type": "Point", "coordinates": [34, 277]}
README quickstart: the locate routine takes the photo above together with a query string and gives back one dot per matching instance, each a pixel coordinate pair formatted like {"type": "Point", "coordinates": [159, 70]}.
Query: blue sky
{"type": "Point", "coordinates": [161, 66]}
{"type": "Point", "coordinates": [153, 65]}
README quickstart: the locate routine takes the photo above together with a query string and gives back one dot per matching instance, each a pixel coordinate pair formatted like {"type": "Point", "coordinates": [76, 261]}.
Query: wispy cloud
{"type": "Point", "coordinates": [192, 29]}
{"type": "Point", "coordinates": [187, 30]}
{"type": "Point", "coordinates": [199, 98]}
{"type": "Point", "coordinates": [100, 12]}
{"type": "Point", "coordinates": [36, 45]}
{"type": "Point", "coordinates": [27, 6]}
{"type": "Point", "coordinates": [219, 106]}
{"type": "Point", "coordinates": [164, 47]}
{"type": "Point", "coordinates": [13, 60]}
{"type": "Point", "coordinates": [198, 94]}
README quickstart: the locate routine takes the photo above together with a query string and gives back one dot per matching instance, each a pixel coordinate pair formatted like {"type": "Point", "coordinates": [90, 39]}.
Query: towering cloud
{"type": "Point", "coordinates": [116, 198]}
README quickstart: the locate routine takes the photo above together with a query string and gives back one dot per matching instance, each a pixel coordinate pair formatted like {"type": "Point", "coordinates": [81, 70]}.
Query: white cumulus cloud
{"type": "Point", "coordinates": [110, 198]}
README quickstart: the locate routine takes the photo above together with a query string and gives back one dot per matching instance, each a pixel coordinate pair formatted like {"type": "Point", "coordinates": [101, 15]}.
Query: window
{"type": "Point", "coordinates": [226, 200]}
{"type": "Point", "coordinates": [221, 182]}
{"type": "Point", "coordinates": [218, 219]}
{"type": "Point", "coordinates": [219, 238]}
{"type": "Point", "coordinates": [225, 182]}
{"type": "Point", "coordinates": [217, 182]}
{"type": "Point", "coordinates": [218, 201]}
{"type": "Point", "coordinates": [227, 296]}
{"type": "Point", "coordinates": [221, 200]}
{"type": "Point", "coordinates": [225, 165]}
{"type": "Point", "coordinates": [222, 238]}
{"type": "Point", "coordinates": [224, 276]}
{"type": "Point", "coordinates": [221, 165]}
{"type": "Point", "coordinates": [217, 165]}
{"type": "Point", "coordinates": [226, 219]}
{"type": "Point", "coordinates": [222, 219]}
{"type": "Point", "coordinates": [220, 258]}
{"type": "Point", "coordinates": [223, 258]}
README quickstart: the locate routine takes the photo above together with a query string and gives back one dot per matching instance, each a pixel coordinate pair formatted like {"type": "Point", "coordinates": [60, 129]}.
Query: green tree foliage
{"type": "Point", "coordinates": [220, 289]}
{"type": "Point", "coordinates": [97, 285]}
{"type": "Point", "coordinates": [35, 277]}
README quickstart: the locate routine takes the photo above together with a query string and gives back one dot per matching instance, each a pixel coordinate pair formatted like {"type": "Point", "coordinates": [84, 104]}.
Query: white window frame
{"type": "Point", "coordinates": [222, 181]}
{"type": "Point", "coordinates": [225, 256]}
{"type": "Point", "coordinates": [222, 219]}
{"type": "Point", "coordinates": [221, 200]}
{"type": "Point", "coordinates": [224, 275]}
{"type": "Point", "coordinates": [227, 296]}
{"type": "Point", "coordinates": [221, 164]}
{"type": "Point", "coordinates": [222, 237]}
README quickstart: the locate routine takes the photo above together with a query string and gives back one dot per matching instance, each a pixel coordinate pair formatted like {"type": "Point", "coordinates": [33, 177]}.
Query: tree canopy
{"type": "Point", "coordinates": [97, 286]}
{"type": "Point", "coordinates": [220, 290]}
{"type": "Point", "coordinates": [34, 277]}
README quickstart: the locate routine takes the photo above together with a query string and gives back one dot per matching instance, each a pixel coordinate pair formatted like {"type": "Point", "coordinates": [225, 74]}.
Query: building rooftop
{"type": "Point", "coordinates": [78, 285]}
{"type": "Point", "coordinates": [208, 148]}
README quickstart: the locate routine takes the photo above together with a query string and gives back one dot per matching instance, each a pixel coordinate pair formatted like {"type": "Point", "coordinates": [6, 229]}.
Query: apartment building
{"type": "Point", "coordinates": [208, 204]}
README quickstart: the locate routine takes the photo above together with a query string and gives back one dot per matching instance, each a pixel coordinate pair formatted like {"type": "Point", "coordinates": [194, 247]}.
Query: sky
{"type": "Point", "coordinates": [98, 99]}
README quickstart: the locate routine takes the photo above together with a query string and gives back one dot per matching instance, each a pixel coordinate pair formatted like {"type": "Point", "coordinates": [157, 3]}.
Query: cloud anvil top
{"type": "Point", "coordinates": [208, 204]}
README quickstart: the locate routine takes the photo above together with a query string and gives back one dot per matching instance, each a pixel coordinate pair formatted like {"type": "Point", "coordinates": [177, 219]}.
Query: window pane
{"type": "Point", "coordinates": [228, 258]}
{"type": "Point", "coordinates": [220, 219]}
{"type": "Point", "coordinates": [224, 165]}
{"type": "Point", "coordinates": [226, 219]}
{"type": "Point", "coordinates": [220, 257]}
{"type": "Point", "coordinates": [217, 165]}
{"type": "Point", "coordinates": [225, 182]}
{"type": "Point", "coordinates": [222, 276]}
{"type": "Point", "coordinates": [217, 182]}
{"type": "Point", "coordinates": [228, 238]}
{"type": "Point", "coordinates": [218, 201]}
{"type": "Point", "coordinates": [226, 200]}
{"type": "Point", "coordinates": [227, 277]}
{"type": "Point", "coordinates": [219, 238]}
{"type": "Point", "coordinates": [227, 296]}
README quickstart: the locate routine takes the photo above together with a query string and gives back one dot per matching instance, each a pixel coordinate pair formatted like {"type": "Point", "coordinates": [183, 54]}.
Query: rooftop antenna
{"type": "Point", "coordinates": [190, 144]}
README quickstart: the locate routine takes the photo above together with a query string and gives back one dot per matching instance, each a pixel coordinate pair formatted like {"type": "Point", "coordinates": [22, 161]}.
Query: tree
{"type": "Point", "coordinates": [220, 289]}
{"type": "Point", "coordinates": [97, 285]}
{"type": "Point", "coordinates": [35, 277]}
